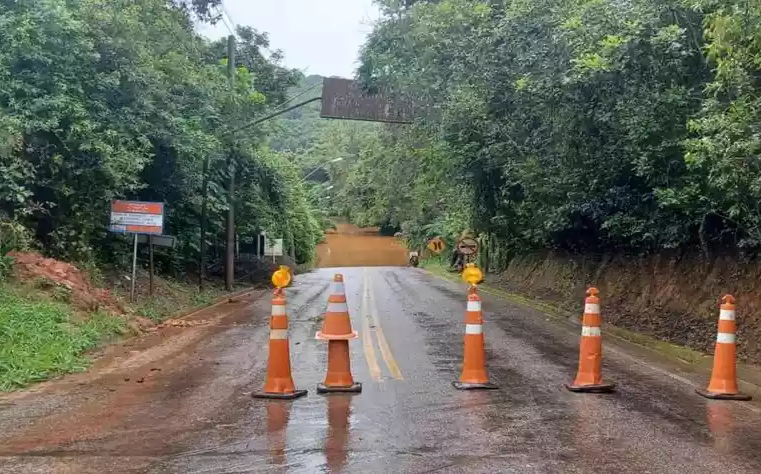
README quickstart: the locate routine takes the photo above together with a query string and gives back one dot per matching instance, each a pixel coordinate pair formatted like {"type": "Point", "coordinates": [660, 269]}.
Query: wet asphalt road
{"type": "Point", "coordinates": [193, 412]}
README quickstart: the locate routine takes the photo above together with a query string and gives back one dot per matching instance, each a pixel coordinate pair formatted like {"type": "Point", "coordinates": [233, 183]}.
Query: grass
{"type": "Point", "coordinates": [43, 335]}
{"type": "Point", "coordinates": [41, 339]}
{"type": "Point", "coordinates": [160, 308]}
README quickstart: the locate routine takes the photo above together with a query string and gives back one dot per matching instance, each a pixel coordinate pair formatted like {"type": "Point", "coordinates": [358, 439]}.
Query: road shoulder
{"type": "Point", "coordinates": [680, 362]}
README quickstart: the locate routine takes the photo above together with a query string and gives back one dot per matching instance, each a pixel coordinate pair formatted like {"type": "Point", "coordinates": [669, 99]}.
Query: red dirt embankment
{"type": "Point", "coordinates": [672, 298]}
{"type": "Point", "coordinates": [48, 276]}
{"type": "Point", "coordinates": [33, 267]}
{"type": "Point", "coordinates": [351, 246]}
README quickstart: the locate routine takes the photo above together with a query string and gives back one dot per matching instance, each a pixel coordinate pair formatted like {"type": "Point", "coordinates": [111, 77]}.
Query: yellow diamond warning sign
{"type": "Point", "coordinates": [436, 245]}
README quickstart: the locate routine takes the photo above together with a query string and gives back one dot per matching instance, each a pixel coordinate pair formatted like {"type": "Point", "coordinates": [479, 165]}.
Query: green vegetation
{"type": "Point", "coordinates": [585, 126]}
{"type": "Point", "coordinates": [40, 339]}
{"type": "Point", "coordinates": [122, 99]}
{"type": "Point", "coordinates": [159, 308]}
{"type": "Point", "coordinates": [581, 125]}
{"type": "Point", "coordinates": [104, 99]}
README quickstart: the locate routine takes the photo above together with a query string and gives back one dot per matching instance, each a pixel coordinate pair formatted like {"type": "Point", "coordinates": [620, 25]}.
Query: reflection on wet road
{"type": "Point", "coordinates": [200, 418]}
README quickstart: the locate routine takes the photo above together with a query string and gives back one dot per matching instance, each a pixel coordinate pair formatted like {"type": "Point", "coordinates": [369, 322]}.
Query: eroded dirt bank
{"type": "Point", "coordinates": [674, 298]}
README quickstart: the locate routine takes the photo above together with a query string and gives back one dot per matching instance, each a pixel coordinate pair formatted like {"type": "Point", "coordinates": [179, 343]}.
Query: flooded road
{"type": "Point", "coordinates": [193, 412]}
{"type": "Point", "coordinates": [351, 246]}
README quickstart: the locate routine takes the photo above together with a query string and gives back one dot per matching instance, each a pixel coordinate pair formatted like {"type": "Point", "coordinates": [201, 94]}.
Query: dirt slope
{"type": "Point", "coordinates": [674, 298]}
{"type": "Point", "coordinates": [52, 273]}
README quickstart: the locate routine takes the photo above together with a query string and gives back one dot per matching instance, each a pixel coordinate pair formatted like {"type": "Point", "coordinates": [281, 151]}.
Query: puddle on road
{"type": "Point", "coordinates": [302, 438]}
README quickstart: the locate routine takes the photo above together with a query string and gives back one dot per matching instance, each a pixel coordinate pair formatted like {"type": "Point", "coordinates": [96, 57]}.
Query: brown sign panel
{"type": "Point", "coordinates": [345, 99]}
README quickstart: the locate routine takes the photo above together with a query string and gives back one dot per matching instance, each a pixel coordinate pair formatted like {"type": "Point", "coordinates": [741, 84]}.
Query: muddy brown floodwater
{"type": "Point", "coordinates": [351, 246]}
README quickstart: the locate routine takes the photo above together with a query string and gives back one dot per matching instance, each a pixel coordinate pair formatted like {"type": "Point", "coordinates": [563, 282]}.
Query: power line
{"type": "Point", "coordinates": [235, 24]}
{"type": "Point", "coordinates": [233, 31]}
{"type": "Point", "coordinates": [224, 21]}
{"type": "Point", "coordinates": [224, 12]}
{"type": "Point", "coordinates": [272, 115]}
{"type": "Point", "coordinates": [291, 99]}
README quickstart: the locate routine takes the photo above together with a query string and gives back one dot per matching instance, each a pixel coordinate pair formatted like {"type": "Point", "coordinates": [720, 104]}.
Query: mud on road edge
{"type": "Point", "coordinates": [679, 358]}
{"type": "Point", "coordinates": [228, 298]}
{"type": "Point", "coordinates": [173, 335]}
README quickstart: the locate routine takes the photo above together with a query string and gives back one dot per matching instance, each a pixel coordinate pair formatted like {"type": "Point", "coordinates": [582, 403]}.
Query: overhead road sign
{"type": "Point", "coordinates": [345, 99]}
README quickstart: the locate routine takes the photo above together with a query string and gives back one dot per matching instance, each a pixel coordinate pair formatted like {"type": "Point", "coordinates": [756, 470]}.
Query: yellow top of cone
{"type": "Point", "coordinates": [472, 274]}
{"type": "Point", "coordinates": [282, 277]}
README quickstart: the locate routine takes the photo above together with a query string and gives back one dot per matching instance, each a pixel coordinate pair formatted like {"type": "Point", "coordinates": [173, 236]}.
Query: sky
{"type": "Point", "coordinates": [317, 36]}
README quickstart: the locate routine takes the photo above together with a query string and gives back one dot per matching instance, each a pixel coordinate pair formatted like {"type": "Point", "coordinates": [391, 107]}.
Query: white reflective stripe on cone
{"type": "Point", "coordinates": [278, 334]}
{"type": "Point", "coordinates": [590, 331]}
{"type": "Point", "coordinates": [474, 328]}
{"type": "Point", "coordinates": [338, 288]}
{"type": "Point", "coordinates": [592, 308]}
{"type": "Point", "coordinates": [727, 315]}
{"type": "Point", "coordinates": [725, 338]}
{"type": "Point", "coordinates": [338, 307]}
{"type": "Point", "coordinates": [278, 310]}
{"type": "Point", "coordinates": [474, 306]}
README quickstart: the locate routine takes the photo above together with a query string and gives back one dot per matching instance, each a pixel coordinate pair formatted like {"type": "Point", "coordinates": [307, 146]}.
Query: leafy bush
{"type": "Point", "coordinates": [6, 267]}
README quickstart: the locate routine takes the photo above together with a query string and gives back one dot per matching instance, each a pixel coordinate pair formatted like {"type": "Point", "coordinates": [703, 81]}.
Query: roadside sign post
{"type": "Point", "coordinates": [260, 238]}
{"type": "Point", "coordinates": [273, 248]}
{"type": "Point", "coordinates": [134, 272]}
{"type": "Point", "coordinates": [150, 265]}
{"type": "Point", "coordinates": [154, 241]}
{"type": "Point", "coordinates": [468, 247]}
{"type": "Point", "coordinates": [137, 217]}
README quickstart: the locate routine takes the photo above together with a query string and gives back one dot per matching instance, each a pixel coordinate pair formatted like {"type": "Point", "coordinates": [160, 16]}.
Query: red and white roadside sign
{"type": "Point", "coordinates": [137, 217]}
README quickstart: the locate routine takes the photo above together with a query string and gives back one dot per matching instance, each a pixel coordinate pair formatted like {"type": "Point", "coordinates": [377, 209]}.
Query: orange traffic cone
{"type": "Point", "coordinates": [474, 375]}
{"type": "Point", "coordinates": [336, 329]}
{"type": "Point", "coordinates": [723, 384]}
{"type": "Point", "coordinates": [337, 323]}
{"type": "Point", "coordinates": [589, 376]}
{"type": "Point", "coordinates": [279, 382]}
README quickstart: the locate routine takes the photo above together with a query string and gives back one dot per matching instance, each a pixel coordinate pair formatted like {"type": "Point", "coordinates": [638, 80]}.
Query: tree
{"type": "Point", "coordinates": [105, 99]}
{"type": "Point", "coordinates": [563, 120]}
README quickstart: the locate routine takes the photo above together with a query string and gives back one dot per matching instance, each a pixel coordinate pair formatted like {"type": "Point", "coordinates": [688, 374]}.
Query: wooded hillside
{"type": "Point", "coordinates": [105, 99]}
{"type": "Point", "coordinates": [585, 126]}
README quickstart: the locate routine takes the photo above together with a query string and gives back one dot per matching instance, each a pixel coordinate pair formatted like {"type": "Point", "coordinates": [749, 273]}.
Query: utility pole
{"type": "Point", "coordinates": [292, 247]}
{"type": "Point", "coordinates": [230, 241]}
{"type": "Point", "coordinates": [204, 199]}
{"type": "Point", "coordinates": [230, 247]}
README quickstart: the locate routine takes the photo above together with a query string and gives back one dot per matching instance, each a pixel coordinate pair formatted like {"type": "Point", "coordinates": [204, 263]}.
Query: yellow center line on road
{"type": "Point", "coordinates": [382, 343]}
{"type": "Point", "coordinates": [367, 342]}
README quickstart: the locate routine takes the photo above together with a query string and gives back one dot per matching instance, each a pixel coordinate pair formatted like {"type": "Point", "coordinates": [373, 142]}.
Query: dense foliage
{"type": "Point", "coordinates": [104, 99]}
{"type": "Point", "coordinates": [325, 150]}
{"type": "Point", "coordinates": [583, 125]}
